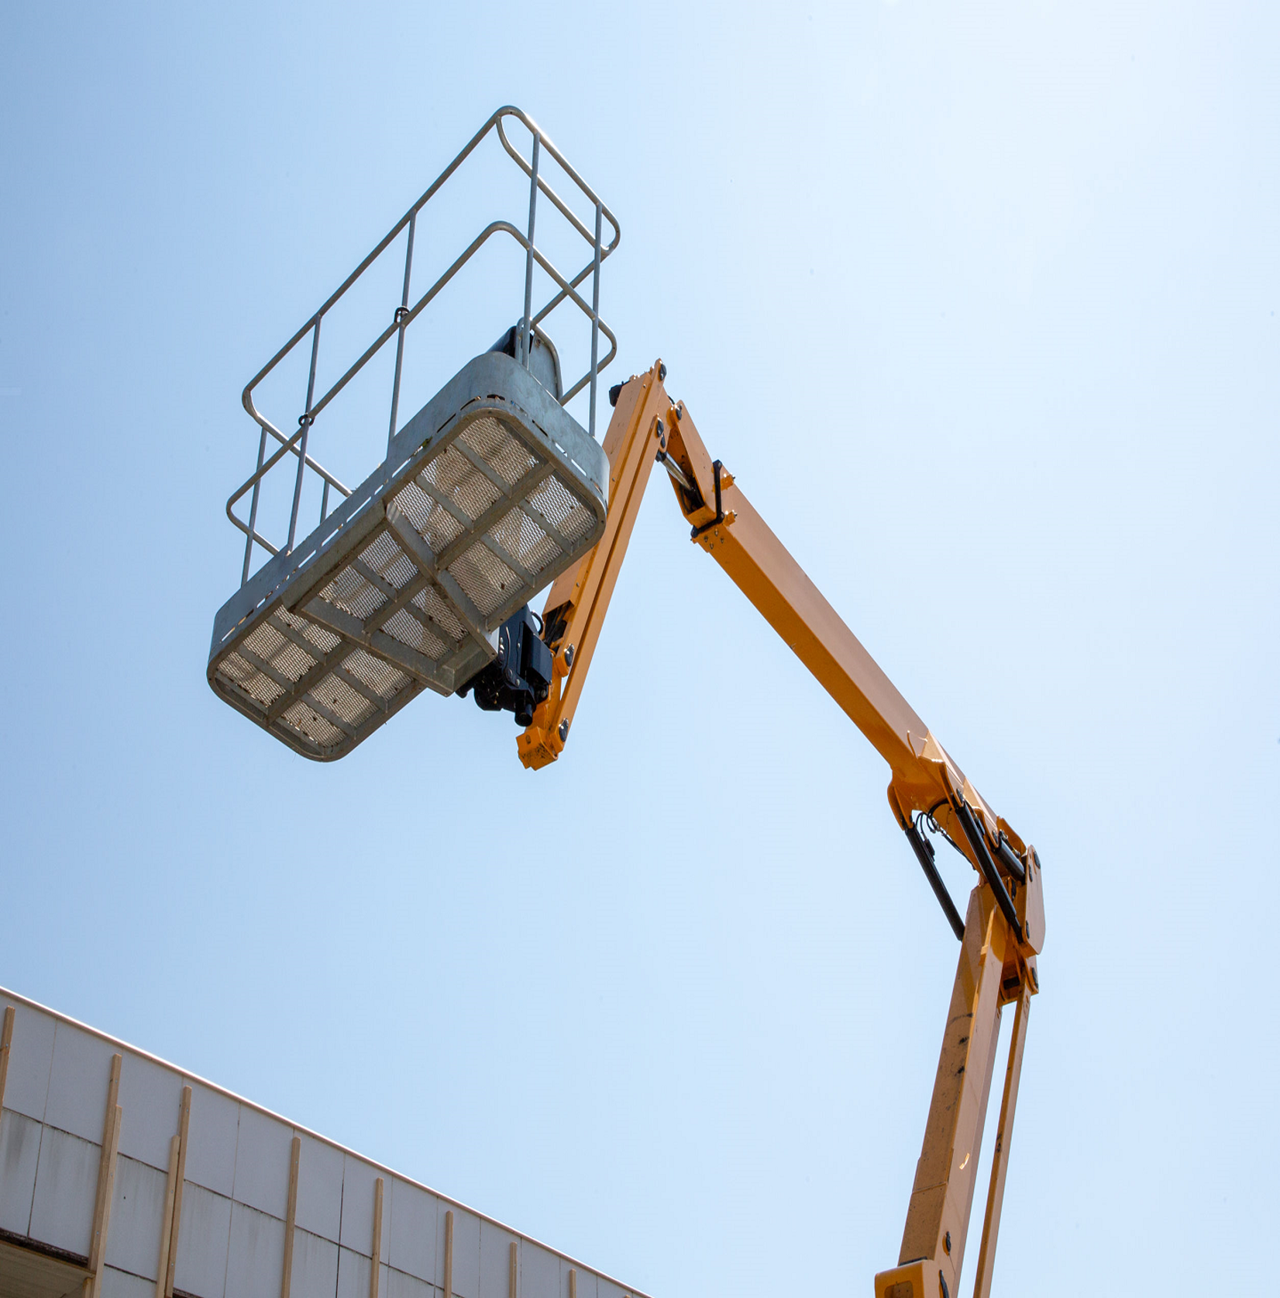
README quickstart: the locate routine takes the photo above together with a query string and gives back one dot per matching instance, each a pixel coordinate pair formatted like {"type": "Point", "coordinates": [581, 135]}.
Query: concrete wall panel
{"type": "Point", "coordinates": [495, 1260]}
{"type": "Point", "coordinates": [19, 1152]}
{"type": "Point", "coordinates": [78, 1083]}
{"type": "Point", "coordinates": [539, 1272]}
{"type": "Point", "coordinates": [315, 1266]}
{"type": "Point", "coordinates": [466, 1253]}
{"type": "Point", "coordinates": [262, 1163]}
{"type": "Point", "coordinates": [255, 1261]}
{"type": "Point", "coordinates": [30, 1059]}
{"type": "Point", "coordinates": [137, 1211]}
{"type": "Point", "coordinates": [66, 1187]}
{"type": "Point", "coordinates": [150, 1096]}
{"type": "Point", "coordinates": [400, 1285]}
{"type": "Point", "coordinates": [320, 1189]}
{"type": "Point", "coordinates": [212, 1135]}
{"type": "Point", "coordinates": [353, 1274]}
{"type": "Point", "coordinates": [120, 1284]}
{"type": "Point", "coordinates": [358, 1178]}
{"type": "Point", "coordinates": [586, 1281]}
{"type": "Point", "coordinates": [414, 1225]}
{"type": "Point", "coordinates": [204, 1237]}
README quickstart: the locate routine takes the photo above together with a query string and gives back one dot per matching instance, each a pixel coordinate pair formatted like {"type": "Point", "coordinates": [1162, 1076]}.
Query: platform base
{"type": "Point", "coordinates": [489, 493]}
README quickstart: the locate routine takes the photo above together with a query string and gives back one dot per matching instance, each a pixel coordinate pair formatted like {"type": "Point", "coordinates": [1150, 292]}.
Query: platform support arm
{"type": "Point", "coordinates": [579, 598]}
{"type": "Point", "coordinates": [646, 426]}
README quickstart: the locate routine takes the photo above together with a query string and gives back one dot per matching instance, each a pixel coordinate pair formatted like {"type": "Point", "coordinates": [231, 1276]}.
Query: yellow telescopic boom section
{"type": "Point", "coordinates": [647, 427]}
{"type": "Point", "coordinates": [1004, 927]}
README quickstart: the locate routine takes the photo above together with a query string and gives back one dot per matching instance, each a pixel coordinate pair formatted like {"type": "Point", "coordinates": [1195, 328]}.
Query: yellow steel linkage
{"type": "Point", "coordinates": [1004, 927]}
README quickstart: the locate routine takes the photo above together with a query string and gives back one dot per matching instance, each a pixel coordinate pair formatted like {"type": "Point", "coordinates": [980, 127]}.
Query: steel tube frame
{"type": "Point", "coordinates": [306, 421]}
{"type": "Point", "coordinates": [253, 508]}
{"type": "Point", "coordinates": [526, 320]}
{"type": "Point", "coordinates": [565, 290]}
{"type": "Point", "coordinates": [595, 324]}
{"type": "Point", "coordinates": [400, 314]}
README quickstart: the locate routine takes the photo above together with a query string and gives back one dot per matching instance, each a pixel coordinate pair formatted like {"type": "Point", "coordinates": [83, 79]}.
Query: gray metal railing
{"type": "Point", "coordinates": [566, 290]}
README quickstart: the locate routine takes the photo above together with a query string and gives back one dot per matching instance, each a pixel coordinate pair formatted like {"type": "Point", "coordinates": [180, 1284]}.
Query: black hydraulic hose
{"type": "Point", "coordinates": [964, 814]}
{"type": "Point", "coordinates": [924, 854]}
{"type": "Point", "coordinates": [1012, 861]}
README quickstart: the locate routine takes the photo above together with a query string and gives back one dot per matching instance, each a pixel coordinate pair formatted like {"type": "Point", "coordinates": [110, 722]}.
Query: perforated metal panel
{"type": "Point", "coordinates": [489, 493]}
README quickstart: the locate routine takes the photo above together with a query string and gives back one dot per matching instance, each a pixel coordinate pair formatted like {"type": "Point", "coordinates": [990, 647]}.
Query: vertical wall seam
{"type": "Point", "coordinates": [342, 1207]}
{"type": "Point", "coordinates": [235, 1163]}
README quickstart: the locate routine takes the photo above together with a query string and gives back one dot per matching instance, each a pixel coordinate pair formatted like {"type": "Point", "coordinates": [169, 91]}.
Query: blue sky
{"type": "Point", "coordinates": [978, 304]}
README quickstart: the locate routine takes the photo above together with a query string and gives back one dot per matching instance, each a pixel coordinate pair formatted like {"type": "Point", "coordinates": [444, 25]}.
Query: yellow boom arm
{"type": "Point", "coordinates": [1004, 927]}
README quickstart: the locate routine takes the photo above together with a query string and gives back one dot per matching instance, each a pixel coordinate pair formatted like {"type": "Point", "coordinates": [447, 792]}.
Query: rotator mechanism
{"type": "Point", "coordinates": [517, 680]}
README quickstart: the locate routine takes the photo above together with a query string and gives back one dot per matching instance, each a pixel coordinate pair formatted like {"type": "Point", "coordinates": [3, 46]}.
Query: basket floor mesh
{"type": "Point", "coordinates": [411, 592]}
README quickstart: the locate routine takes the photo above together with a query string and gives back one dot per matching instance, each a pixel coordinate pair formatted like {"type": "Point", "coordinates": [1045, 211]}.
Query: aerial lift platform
{"type": "Point", "coordinates": [423, 576]}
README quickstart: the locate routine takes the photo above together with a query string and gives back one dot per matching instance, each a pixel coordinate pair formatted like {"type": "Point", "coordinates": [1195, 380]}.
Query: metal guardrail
{"type": "Point", "coordinates": [404, 315]}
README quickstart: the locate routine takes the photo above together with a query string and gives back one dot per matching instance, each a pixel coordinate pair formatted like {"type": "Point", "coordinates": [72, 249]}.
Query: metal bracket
{"type": "Point", "coordinates": [719, 518]}
{"type": "Point", "coordinates": [1012, 861]}
{"type": "Point", "coordinates": [978, 842]}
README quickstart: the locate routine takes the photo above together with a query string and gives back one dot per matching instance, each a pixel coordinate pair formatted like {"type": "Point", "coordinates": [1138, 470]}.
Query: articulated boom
{"type": "Point", "coordinates": [1004, 928]}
